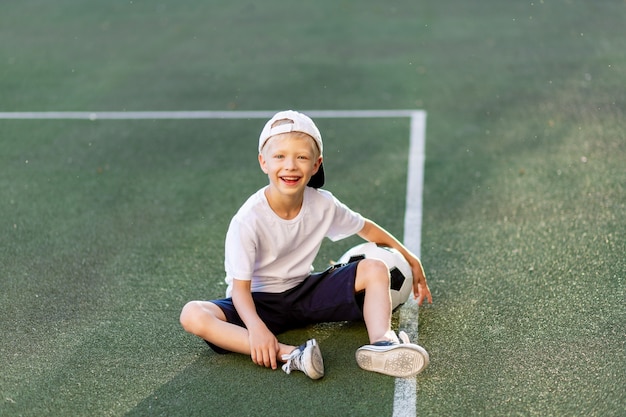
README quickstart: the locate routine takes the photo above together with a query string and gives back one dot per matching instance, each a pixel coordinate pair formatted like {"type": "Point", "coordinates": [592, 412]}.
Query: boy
{"type": "Point", "coordinates": [270, 247]}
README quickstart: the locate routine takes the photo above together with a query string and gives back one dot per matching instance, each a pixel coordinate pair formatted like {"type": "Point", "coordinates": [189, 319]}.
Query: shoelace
{"type": "Point", "coordinates": [404, 338]}
{"type": "Point", "coordinates": [293, 361]}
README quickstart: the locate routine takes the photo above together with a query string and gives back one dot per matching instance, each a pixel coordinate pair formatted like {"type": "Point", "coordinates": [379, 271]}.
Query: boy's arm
{"type": "Point", "coordinates": [374, 233]}
{"type": "Point", "coordinates": [263, 343]}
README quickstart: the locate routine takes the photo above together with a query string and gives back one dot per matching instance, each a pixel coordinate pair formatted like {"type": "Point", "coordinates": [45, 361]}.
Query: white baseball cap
{"type": "Point", "coordinates": [299, 123]}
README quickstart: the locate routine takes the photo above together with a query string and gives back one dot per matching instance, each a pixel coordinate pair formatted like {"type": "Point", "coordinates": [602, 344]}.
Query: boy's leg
{"type": "Point", "coordinates": [385, 354]}
{"type": "Point", "coordinates": [372, 276]}
{"type": "Point", "coordinates": [207, 321]}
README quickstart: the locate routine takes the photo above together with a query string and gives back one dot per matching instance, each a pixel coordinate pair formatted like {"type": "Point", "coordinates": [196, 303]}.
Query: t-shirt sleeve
{"type": "Point", "coordinates": [346, 221]}
{"type": "Point", "coordinates": [240, 250]}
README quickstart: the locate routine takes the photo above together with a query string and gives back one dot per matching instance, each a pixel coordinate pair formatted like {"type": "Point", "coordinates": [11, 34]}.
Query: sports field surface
{"type": "Point", "coordinates": [516, 203]}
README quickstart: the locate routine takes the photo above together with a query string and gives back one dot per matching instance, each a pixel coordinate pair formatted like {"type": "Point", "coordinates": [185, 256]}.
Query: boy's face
{"type": "Point", "coordinates": [290, 160]}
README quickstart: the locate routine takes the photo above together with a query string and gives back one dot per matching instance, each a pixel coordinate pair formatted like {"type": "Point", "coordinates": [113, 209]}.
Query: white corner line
{"type": "Point", "coordinates": [415, 183]}
{"type": "Point", "coordinates": [188, 115]}
{"type": "Point", "coordinates": [405, 393]}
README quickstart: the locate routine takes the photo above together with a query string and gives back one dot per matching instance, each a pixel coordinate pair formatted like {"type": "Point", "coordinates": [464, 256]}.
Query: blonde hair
{"type": "Point", "coordinates": [316, 150]}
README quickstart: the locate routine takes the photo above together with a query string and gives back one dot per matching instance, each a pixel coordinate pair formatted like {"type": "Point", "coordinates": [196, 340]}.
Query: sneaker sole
{"type": "Point", "coordinates": [313, 357]}
{"type": "Point", "coordinates": [400, 361]}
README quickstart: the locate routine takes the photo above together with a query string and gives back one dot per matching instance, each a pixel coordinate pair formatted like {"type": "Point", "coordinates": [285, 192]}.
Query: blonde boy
{"type": "Point", "coordinates": [270, 246]}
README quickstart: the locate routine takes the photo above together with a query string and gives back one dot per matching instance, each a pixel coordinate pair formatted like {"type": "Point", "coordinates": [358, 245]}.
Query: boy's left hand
{"type": "Point", "coordinates": [420, 286]}
{"type": "Point", "coordinates": [374, 233]}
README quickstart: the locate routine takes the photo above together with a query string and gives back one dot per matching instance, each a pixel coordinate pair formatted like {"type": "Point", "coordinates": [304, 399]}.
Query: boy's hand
{"type": "Point", "coordinates": [263, 344]}
{"type": "Point", "coordinates": [420, 287]}
{"type": "Point", "coordinates": [263, 347]}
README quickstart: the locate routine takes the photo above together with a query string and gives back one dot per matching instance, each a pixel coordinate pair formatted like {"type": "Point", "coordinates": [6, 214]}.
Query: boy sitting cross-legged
{"type": "Point", "coordinates": [270, 246]}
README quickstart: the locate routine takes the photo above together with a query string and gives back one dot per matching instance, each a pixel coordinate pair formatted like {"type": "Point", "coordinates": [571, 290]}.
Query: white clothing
{"type": "Point", "coordinates": [278, 254]}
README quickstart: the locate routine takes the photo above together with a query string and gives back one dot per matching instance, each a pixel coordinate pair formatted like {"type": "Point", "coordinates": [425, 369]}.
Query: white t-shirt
{"type": "Point", "coordinates": [278, 254]}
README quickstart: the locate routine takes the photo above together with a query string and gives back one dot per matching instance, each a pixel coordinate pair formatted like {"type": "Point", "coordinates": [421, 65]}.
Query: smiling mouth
{"type": "Point", "coordinates": [290, 180]}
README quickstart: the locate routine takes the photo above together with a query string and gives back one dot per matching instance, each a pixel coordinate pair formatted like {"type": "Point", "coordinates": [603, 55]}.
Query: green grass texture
{"type": "Point", "coordinates": [108, 227]}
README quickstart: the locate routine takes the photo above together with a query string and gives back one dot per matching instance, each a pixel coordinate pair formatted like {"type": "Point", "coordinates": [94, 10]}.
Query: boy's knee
{"type": "Point", "coordinates": [197, 316]}
{"type": "Point", "coordinates": [189, 314]}
{"type": "Point", "coordinates": [374, 270]}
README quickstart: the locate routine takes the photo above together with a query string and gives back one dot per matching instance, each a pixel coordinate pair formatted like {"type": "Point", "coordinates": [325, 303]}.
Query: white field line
{"type": "Point", "coordinates": [404, 404]}
{"type": "Point", "coordinates": [186, 115]}
{"type": "Point", "coordinates": [405, 397]}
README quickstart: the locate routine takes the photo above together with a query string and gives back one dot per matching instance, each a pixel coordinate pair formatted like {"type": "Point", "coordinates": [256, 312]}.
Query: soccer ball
{"type": "Point", "coordinates": [399, 268]}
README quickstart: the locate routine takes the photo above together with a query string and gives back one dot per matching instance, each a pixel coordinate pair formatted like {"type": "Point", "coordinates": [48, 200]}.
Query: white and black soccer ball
{"type": "Point", "coordinates": [399, 268]}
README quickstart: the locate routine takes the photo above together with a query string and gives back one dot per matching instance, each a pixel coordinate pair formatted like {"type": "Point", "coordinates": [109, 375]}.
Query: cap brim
{"type": "Point", "coordinates": [317, 180]}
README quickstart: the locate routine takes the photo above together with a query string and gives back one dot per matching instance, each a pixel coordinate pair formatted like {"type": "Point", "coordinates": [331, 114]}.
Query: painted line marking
{"type": "Point", "coordinates": [405, 392]}
{"type": "Point", "coordinates": [187, 115]}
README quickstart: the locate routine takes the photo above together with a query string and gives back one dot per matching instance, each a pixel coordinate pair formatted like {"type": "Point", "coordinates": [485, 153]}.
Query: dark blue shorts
{"type": "Point", "coordinates": [323, 297]}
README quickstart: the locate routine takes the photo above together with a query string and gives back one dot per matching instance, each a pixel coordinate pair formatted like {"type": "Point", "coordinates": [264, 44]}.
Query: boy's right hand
{"type": "Point", "coordinates": [263, 344]}
{"type": "Point", "coordinates": [263, 347]}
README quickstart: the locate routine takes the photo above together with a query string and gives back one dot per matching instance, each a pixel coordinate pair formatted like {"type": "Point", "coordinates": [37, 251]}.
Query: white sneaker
{"type": "Point", "coordinates": [306, 358]}
{"type": "Point", "coordinates": [401, 360]}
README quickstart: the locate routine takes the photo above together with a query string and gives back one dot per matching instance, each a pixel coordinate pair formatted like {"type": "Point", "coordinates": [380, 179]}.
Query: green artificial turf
{"type": "Point", "coordinates": [108, 227]}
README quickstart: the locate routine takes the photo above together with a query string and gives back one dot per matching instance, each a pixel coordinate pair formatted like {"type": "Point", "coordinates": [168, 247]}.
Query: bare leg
{"type": "Point", "coordinates": [372, 276]}
{"type": "Point", "coordinates": [207, 321]}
